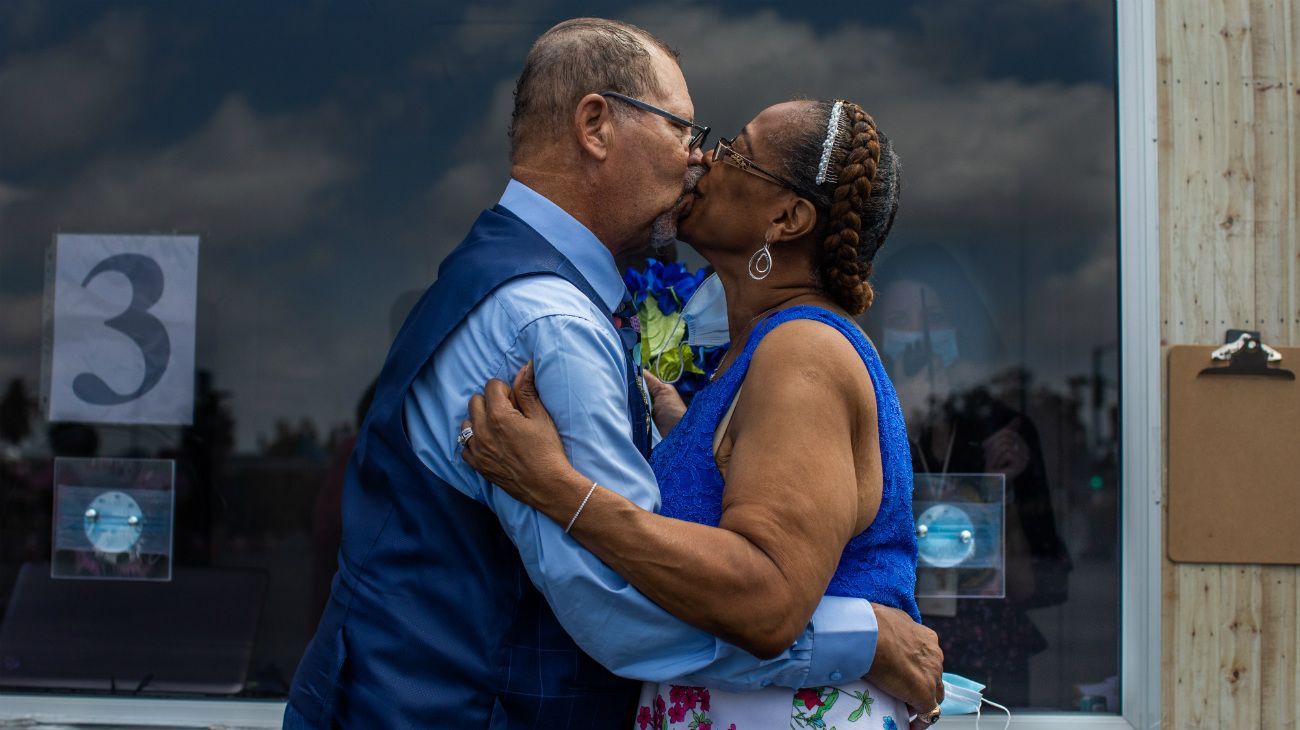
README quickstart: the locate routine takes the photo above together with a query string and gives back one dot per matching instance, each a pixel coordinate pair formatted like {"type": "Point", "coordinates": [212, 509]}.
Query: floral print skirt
{"type": "Point", "coordinates": [846, 706]}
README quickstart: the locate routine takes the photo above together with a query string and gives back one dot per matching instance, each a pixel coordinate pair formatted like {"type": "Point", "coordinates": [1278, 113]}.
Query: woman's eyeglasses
{"type": "Point", "coordinates": [724, 152]}
{"type": "Point", "coordinates": [698, 131]}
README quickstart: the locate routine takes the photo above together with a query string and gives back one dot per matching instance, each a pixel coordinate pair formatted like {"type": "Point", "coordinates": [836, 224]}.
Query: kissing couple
{"type": "Point", "coordinates": [534, 555]}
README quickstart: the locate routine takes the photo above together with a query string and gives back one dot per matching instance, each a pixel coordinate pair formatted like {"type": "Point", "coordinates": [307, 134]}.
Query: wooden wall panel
{"type": "Point", "coordinates": [1228, 143]}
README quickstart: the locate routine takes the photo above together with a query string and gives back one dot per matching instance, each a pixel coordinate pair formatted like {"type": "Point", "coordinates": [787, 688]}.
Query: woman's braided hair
{"type": "Point", "coordinates": [856, 202]}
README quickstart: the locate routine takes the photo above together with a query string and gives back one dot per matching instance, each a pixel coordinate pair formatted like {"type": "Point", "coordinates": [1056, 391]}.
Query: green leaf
{"type": "Point", "coordinates": [663, 334]}
{"type": "Point", "coordinates": [866, 700]}
{"type": "Point", "coordinates": [829, 702]}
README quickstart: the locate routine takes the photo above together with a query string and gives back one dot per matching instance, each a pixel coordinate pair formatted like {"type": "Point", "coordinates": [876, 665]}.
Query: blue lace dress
{"type": "Point", "coordinates": [878, 564]}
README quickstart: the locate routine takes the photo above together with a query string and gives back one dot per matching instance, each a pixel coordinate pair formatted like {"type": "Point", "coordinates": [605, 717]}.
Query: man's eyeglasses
{"type": "Point", "coordinates": [723, 152]}
{"type": "Point", "coordinates": [698, 131]}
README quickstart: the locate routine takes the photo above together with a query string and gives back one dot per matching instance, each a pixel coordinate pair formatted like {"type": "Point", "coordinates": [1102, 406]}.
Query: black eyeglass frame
{"type": "Point", "coordinates": [701, 131]}
{"type": "Point", "coordinates": [724, 152]}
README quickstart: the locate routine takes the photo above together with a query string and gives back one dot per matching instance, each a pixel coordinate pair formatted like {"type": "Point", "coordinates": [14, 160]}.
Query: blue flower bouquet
{"type": "Point", "coordinates": [659, 293]}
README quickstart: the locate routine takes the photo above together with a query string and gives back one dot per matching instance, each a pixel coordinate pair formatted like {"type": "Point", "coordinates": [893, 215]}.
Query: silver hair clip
{"type": "Point", "coordinates": [835, 136]}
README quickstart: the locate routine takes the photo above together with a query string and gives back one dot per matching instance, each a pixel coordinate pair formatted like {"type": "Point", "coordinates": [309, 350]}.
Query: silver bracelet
{"type": "Point", "coordinates": [584, 504]}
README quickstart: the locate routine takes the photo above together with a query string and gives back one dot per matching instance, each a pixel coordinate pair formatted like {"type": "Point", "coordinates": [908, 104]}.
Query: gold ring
{"type": "Point", "coordinates": [931, 717]}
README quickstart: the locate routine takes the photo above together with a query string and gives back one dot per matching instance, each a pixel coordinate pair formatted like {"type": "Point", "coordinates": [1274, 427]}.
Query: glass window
{"type": "Point", "coordinates": [329, 158]}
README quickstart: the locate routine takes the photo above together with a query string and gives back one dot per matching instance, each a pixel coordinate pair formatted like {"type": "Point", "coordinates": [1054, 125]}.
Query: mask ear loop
{"type": "Point", "coordinates": [980, 707]}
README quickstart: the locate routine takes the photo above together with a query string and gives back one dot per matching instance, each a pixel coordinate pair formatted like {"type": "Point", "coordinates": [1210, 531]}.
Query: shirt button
{"type": "Point", "coordinates": [836, 676]}
{"type": "Point", "coordinates": [766, 683]}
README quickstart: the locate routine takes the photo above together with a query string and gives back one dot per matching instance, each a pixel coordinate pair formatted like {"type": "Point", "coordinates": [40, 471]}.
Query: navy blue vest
{"type": "Point", "coordinates": [432, 621]}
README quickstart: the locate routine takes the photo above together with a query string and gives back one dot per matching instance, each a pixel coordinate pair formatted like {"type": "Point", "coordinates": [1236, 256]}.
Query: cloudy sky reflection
{"type": "Point", "coordinates": [331, 153]}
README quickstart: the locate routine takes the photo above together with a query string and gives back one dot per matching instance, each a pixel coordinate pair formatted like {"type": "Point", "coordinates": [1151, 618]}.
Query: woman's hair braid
{"type": "Point", "coordinates": [855, 206]}
{"type": "Point", "coordinates": [844, 270]}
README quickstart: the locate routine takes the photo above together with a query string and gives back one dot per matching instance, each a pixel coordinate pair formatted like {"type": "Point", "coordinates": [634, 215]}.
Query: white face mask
{"type": "Point", "coordinates": [705, 315]}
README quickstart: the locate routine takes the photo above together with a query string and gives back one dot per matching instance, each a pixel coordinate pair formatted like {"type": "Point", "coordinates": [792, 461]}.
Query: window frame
{"type": "Point", "coordinates": [1140, 447]}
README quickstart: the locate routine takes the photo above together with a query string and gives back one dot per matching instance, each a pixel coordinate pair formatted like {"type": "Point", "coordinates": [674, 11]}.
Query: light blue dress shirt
{"type": "Point", "coordinates": [580, 373]}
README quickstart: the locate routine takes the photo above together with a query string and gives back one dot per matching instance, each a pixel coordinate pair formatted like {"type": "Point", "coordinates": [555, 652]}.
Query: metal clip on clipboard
{"type": "Point", "coordinates": [1247, 355]}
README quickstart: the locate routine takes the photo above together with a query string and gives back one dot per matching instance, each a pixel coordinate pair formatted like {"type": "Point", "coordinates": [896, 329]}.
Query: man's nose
{"type": "Point", "coordinates": [696, 157]}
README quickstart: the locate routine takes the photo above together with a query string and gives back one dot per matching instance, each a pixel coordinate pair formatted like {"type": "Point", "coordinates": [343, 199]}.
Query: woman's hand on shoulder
{"type": "Point", "coordinates": [515, 444]}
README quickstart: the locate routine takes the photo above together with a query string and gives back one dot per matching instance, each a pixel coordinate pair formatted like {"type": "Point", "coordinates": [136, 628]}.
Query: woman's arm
{"type": "Point", "coordinates": [792, 498]}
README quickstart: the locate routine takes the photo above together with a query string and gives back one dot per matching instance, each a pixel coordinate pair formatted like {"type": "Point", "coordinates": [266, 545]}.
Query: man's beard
{"type": "Point", "coordinates": [663, 231]}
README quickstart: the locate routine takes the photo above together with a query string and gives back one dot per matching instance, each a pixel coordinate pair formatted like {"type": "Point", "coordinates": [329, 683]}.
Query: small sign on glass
{"type": "Point", "coordinates": [960, 535]}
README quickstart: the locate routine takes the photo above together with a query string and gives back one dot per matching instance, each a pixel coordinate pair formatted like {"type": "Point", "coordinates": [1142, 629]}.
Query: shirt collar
{"type": "Point", "coordinates": [572, 239]}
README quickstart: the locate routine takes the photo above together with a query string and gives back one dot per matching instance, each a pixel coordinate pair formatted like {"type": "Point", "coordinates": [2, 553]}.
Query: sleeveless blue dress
{"type": "Point", "coordinates": [878, 564]}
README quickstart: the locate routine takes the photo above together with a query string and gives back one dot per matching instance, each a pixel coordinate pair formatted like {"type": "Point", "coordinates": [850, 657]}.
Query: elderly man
{"type": "Point", "coordinates": [454, 605]}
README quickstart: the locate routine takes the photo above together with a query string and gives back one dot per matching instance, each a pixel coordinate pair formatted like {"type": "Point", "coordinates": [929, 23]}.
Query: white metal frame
{"type": "Point", "coordinates": [1140, 395]}
{"type": "Point", "coordinates": [1141, 449]}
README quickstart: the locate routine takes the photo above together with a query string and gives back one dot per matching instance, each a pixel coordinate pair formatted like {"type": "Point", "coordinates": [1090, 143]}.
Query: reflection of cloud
{"type": "Point", "coordinates": [241, 174]}
{"type": "Point", "coordinates": [1077, 309]}
{"type": "Point", "coordinates": [449, 206]}
{"type": "Point", "coordinates": [59, 97]}
{"type": "Point", "coordinates": [486, 27]}
{"type": "Point", "coordinates": [296, 287]}
{"type": "Point", "coordinates": [486, 33]}
{"type": "Point", "coordinates": [959, 43]}
{"type": "Point", "coordinates": [976, 152]}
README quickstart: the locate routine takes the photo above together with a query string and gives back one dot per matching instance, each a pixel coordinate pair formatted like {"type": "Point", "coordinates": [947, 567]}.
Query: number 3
{"type": "Point", "coordinates": [144, 329]}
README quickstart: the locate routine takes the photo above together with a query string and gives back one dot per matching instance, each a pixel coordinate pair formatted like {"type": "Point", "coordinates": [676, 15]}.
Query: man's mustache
{"type": "Point", "coordinates": [693, 175]}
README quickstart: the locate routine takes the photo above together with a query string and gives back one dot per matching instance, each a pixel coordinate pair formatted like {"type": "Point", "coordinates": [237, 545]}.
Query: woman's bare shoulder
{"type": "Point", "coordinates": [811, 350]}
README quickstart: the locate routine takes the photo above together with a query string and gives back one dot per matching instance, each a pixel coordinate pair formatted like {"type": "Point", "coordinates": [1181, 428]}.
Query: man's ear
{"type": "Point", "coordinates": [593, 124]}
{"type": "Point", "coordinates": [795, 220]}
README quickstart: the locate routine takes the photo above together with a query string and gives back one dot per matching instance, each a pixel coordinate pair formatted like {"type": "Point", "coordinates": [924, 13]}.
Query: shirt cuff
{"type": "Point", "coordinates": [844, 640]}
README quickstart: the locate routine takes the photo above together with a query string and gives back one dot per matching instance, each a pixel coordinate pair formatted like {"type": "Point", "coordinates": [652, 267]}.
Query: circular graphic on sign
{"type": "Point", "coordinates": [113, 522]}
{"type": "Point", "coordinates": [946, 536]}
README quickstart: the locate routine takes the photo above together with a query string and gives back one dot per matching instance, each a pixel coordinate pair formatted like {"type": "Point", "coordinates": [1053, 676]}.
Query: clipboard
{"type": "Point", "coordinates": [1234, 453]}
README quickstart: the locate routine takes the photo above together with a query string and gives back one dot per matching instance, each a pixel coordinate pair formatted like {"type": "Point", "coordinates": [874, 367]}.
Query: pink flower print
{"type": "Point", "coordinates": [677, 713]}
{"type": "Point", "coordinates": [810, 697]}
{"type": "Point", "coordinates": [643, 717]}
{"type": "Point", "coordinates": [657, 715]}
{"type": "Point", "coordinates": [704, 700]}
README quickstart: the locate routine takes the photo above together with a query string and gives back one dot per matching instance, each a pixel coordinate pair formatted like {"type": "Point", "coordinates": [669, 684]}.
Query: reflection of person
{"type": "Point", "coordinates": [772, 491]}
{"type": "Point", "coordinates": [454, 604]}
{"type": "Point", "coordinates": [940, 346]}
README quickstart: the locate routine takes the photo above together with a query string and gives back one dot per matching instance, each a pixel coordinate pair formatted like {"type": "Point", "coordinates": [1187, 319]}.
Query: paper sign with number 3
{"type": "Point", "coordinates": [122, 347]}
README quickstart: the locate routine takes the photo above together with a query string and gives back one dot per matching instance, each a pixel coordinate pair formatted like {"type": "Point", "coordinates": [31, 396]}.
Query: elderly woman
{"type": "Point", "coordinates": [789, 477]}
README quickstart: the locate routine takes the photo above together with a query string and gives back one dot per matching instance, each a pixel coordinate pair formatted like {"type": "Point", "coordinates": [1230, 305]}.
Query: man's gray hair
{"type": "Point", "coordinates": [575, 58]}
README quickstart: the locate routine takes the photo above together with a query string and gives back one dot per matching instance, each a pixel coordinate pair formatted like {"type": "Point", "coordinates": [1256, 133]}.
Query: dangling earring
{"type": "Point", "coordinates": [760, 264]}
